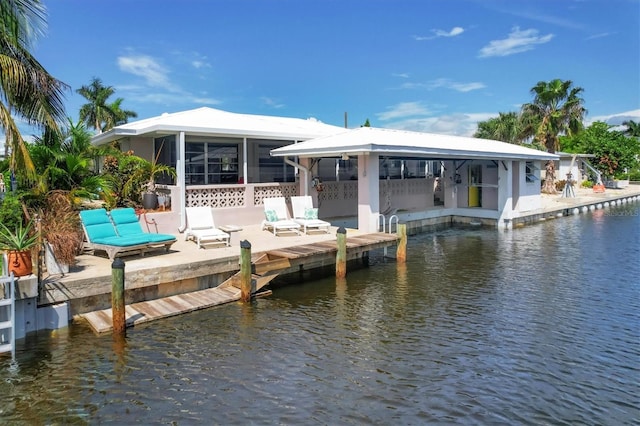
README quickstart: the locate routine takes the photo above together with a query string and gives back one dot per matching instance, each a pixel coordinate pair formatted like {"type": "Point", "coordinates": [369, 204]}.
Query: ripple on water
{"type": "Point", "coordinates": [533, 326]}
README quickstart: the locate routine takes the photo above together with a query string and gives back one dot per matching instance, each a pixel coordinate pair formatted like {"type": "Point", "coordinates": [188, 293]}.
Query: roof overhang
{"type": "Point", "coordinates": [397, 143]}
{"type": "Point", "coordinates": [214, 122]}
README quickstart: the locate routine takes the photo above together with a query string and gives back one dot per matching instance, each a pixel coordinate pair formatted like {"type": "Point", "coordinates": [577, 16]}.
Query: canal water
{"type": "Point", "coordinates": [534, 326]}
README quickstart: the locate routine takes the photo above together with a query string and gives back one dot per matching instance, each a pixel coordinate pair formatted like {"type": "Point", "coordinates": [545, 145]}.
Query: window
{"type": "Point", "coordinates": [165, 152]}
{"type": "Point", "coordinates": [211, 163]}
{"type": "Point", "coordinates": [531, 172]}
{"type": "Point", "coordinates": [273, 169]}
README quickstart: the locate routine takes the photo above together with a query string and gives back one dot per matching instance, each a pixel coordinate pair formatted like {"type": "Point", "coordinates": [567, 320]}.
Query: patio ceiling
{"type": "Point", "coordinates": [215, 122]}
{"type": "Point", "coordinates": [400, 143]}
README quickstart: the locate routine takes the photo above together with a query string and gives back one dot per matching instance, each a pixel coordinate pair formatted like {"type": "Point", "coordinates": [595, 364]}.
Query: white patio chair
{"type": "Point", "coordinates": [277, 217]}
{"type": "Point", "coordinates": [201, 227]}
{"type": "Point", "coordinates": [306, 215]}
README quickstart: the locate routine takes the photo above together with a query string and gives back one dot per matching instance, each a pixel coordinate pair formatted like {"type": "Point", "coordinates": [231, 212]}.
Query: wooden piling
{"type": "Point", "coordinates": [117, 296]}
{"type": "Point", "coordinates": [401, 252]}
{"type": "Point", "coordinates": [341, 255]}
{"type": "Point", "coordinates": [245, 271]}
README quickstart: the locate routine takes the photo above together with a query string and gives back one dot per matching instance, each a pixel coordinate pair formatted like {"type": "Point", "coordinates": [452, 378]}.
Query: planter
{"type": "Point", "coordinates": [20, 262]}
{"type": "Point", "coordinates": [150, 201]}
{"type": "Point", "coordinates": [54, 266]}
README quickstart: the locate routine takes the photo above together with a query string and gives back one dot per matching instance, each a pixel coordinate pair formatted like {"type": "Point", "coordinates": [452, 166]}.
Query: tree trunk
{"type": "Point", "coordinates": [549, 186]}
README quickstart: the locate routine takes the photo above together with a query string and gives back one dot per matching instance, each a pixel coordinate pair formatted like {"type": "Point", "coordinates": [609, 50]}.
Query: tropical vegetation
{"type": "Point", "coordinates": [615, 154]}
{"type": "Point", "coordinates": [553, 122]}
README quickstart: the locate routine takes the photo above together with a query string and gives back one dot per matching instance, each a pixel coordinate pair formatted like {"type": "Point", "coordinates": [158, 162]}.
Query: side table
{"type": "Point", "coordinates": [233, 231]}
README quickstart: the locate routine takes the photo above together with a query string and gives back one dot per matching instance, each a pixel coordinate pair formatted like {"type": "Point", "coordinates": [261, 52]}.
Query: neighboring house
{"type": "Point", "coordinates": [576, 164]}
{"type": "Point", "coordinates": [231, 162]}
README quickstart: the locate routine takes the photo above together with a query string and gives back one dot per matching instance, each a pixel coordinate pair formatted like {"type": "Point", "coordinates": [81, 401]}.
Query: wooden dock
{"type": "Point", "coordinates": [267, 266]}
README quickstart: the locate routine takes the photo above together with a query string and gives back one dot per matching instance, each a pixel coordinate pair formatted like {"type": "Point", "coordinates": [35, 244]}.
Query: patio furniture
{"type": "Point", "coordinates": [127, 223]}
{"type": "Point", "coordinates": [201, 227]}
{"type": "Point", "coordinates": [101, 234]}
{"type": "Point", "coordinates": [306, 215]}
{"type": "Point", "coordinates": [277, 217]}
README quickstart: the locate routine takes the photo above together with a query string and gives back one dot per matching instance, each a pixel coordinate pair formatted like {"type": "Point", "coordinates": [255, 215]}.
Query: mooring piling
{"type": "Point", "coordinates": [401, 252]}
{"type": "Point", "coordinates": [246, 281]}
{"type": "Point", "coordinates": [341, 254]}
{"type": "Point", "coordinates": [118, 314]}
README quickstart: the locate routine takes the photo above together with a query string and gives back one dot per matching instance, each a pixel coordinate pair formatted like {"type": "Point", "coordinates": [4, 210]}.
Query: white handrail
{"type": "Point", "coordinates": [384, 219]}
{"type": "Point", "coordinates": [391, 219]}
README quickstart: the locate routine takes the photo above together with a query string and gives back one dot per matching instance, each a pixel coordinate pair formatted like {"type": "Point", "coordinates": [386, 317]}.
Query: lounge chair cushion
{"type": "Point", "coordinates": [118, 241]}
{"type": "Point", "coordinates": [127, 224]}
{"type": "Point", "coordinates": [310, 213]}
{"type": "Point", "coordinates": [271, 215]}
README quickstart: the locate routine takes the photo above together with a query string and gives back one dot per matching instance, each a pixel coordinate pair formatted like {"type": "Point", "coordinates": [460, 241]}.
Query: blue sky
{"type": "Point", "coordinates": [427, 65]}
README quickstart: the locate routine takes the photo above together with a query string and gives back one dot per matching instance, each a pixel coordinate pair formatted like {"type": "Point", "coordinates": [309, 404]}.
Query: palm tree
{"type": "Point", "coordinates": [67, 161]}
{"type": "Point", "coordinates": [97, 113]}
{"type": "Point", "coordinates": [122, 115]}
{"type": "Point", "coordinates": [507, 127]}
{"type": "Point", "coordinates": [633, 128]}
{"type": "Point", "coordinates": [27, 90]}
{"type": "Point", "coordinates": [557, 108]}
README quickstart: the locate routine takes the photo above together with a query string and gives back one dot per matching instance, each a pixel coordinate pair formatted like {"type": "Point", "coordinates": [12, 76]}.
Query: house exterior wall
{"type": "Point", "coordinates": [529, 191]}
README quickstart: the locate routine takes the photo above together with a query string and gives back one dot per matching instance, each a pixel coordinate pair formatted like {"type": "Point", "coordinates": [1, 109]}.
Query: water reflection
{"type": "Point", "coordinates": [533, 326]}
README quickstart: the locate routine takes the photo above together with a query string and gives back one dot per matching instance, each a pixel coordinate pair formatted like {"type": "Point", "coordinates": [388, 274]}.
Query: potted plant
{"type": "Point", "coordinates": [18, 244]}
{"type": "Point", "coordinates": [143, 179]}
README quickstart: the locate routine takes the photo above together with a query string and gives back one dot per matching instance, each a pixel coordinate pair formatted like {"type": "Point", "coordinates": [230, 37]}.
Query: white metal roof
{"type": "Point", "coordinates": [403, 143]}
{"type": "Point", "coordinates": [210, 121]}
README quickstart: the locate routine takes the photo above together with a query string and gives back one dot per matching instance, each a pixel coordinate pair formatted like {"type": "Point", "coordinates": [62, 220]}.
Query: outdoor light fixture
{"type": "Point", "coordinates": [345, 156]}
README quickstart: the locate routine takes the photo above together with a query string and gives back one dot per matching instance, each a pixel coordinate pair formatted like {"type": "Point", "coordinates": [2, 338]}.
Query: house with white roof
{"type": "Point", "coordinates": [232, 162]}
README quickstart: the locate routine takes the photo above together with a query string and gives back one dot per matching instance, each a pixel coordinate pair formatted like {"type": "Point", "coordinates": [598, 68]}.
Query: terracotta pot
{"type": "Point", "coordinates": [20, 262]}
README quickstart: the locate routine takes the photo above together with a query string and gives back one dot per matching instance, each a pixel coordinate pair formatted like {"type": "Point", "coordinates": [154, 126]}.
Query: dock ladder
{"type": "Point", "coordinates": [392, 219]}
{"type": "Point", "coordinates": [7, 309]}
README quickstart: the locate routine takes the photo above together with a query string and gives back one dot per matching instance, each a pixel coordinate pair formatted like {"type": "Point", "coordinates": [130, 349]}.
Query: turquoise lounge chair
{"type": "Point", "coordinates": [101, 235]}
{"type": "Point", "coordinates": [127, 224]}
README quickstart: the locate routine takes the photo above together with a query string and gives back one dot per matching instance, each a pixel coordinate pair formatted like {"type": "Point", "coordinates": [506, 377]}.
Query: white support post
{"type": "Point", "coordinates": [368, 192]}
{"type": "Point", "coordinates": [505, 194]}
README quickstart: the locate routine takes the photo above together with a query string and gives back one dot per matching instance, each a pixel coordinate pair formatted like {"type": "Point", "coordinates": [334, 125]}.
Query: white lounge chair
{"type": "Point", "coordinates": [306, 215]}
{"type": "Point", "coordinates": [277, 217]}
{"type": "Point", "coordinates": [201, 227]}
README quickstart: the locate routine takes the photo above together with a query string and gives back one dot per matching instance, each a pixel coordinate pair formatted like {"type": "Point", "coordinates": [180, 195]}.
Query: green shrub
{"type": "Point", "coordinates": [11, 211]}
{"type": "Point", "coordinates": [586, 184]}
{"type": "Point", "coordinates": [635, 175]}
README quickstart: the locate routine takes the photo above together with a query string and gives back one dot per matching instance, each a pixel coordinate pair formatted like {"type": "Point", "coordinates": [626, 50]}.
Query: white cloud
{"type": "Point", "coordinates": [271, 102]}
{"type": "Point", "coordinates": [455, 31]}
{"type": "Point", "coordinates": [616, 118]}
{"type": "Point", "coordinates": [461, 124]}
{"type": "Point", "coordinates": [600, 35]}
{"type": "Point", "coordinates": [146, 67]}
{"type": "Point", "coordinates": [401, 75]}
{"type": "Point", "coordinates": [404, 109]}
{"type": "Point", "coordinates": [518, 41]}
{"type": "Point", "coordinates": [446, 84]}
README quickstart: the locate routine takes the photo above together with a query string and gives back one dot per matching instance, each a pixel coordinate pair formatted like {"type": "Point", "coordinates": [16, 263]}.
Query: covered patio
{"type": "Point", "coordinates": [439, 175]}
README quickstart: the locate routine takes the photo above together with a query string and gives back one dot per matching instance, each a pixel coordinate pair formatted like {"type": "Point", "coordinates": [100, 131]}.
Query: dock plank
{"type": "Point", "coordinates": [267, 263]}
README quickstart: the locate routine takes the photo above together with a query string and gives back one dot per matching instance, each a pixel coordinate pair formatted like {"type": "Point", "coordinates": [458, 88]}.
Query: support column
{"type": "Point", "coordinates": [505, 194]}
{"type": "Point", "coordinates": [450, 188]}
{"type": "Point", "coordinates": [368, 192]}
